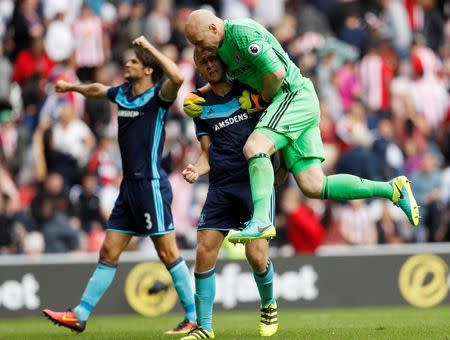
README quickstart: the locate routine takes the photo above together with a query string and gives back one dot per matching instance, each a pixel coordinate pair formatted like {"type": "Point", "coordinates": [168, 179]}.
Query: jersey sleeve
{"type": "Point", "coordinates": [256, 49]}
{"type": "Point", "coordinates": [201, 128]}
{"type": "Point", "coordinates": [163, 102]}
{"type": "Point", "coordinates": [111, 93]}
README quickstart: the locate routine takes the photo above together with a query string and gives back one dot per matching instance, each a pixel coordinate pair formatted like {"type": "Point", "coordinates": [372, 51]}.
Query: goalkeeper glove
{"type": "Point", "coordinates": [252, 102]}
{"type": "Point", "coordinates": [192, 105]}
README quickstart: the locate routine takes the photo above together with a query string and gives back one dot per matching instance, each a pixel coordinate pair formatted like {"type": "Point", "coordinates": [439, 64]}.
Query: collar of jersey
{"type": "Point", "coordinates": [136, 101]}
{"type": "Point", "coordinates": [220, 110]}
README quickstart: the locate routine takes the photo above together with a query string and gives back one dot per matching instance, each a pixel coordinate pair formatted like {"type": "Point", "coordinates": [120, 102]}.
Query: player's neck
{"type": "Point", "coordinates": [221, 89]}
{"type": "Point", "coordinates": [140, 86]}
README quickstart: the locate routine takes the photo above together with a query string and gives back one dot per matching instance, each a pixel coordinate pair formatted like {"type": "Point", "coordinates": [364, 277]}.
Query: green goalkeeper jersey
{"type": "Point", "coordinates": [249, 51]}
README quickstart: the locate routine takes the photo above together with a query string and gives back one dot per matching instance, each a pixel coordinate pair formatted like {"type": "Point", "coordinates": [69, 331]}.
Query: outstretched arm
{"type": "Point", "coordinates": [170, 86]}
{"type": "Point", "coordinates": [201, 167]}
{"type": "Point", "coordinates": [94, 90]}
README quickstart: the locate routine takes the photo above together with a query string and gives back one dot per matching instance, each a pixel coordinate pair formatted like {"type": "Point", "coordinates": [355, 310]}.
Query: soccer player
{"type": "Point", "coordinates": [289, 122]}
{"type": "Point", "coordinates": [222, 130]}
{"type": "Point", "coordinates": [143, 205]}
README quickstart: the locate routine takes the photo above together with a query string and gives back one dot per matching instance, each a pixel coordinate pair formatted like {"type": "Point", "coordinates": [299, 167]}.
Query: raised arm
{"type": "Point", "coordinates": [201, 167]}
{"type": "Point", "coordinates": [95, 90]}
{"type": "Point", "coordinates": [170, 86]}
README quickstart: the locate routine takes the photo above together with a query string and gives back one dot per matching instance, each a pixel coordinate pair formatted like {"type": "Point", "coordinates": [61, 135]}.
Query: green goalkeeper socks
{"type": "Point", "coordinates": [349, 187]}
{"type": "Point", "coordinates": [261, 183]}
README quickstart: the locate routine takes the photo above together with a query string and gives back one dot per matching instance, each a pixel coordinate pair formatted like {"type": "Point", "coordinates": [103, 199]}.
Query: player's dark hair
{"type": "Point", "coordinates": [148, 61]}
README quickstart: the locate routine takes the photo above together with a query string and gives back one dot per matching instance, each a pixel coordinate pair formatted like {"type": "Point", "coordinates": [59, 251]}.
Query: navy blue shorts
{"type": "Point", "coordinates": [228, 207]}
{"type": "Point", "coordinates": [143, 208]}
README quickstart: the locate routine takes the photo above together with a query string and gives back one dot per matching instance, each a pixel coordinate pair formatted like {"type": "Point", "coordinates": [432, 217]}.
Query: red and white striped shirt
{"type": "Point", "coordinates": [429, 61]}
{"type": "Point", "coordinates": [431, 99]}
{"type": "Point", "coordinates": [375, 75]}
{"type": "Point", "coordinates": [88, 34]}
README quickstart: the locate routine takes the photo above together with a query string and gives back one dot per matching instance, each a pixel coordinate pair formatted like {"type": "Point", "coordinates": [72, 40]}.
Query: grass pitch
{"type": "Point", "coordinates": [350, 323]}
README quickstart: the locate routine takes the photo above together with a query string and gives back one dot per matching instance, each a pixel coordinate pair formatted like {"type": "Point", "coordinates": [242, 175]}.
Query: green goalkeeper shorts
{"type": "Point", "coordinates": [292, 123]}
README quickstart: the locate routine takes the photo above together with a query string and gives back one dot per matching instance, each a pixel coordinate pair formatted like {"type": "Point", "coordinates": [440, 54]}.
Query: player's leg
{"type": "Point", "coordinates": [76, 318]}
{"type": "Point", "coordinates": [151, 204]}
{"type": "Point", "coordinates": [258, 150]}
{"type": "Point", "coordinates": [260, 145]}
{"type": "Point", "coordinates": [256, 252]}
{"type": "Point", "coordinates": [169, 254]}
{"type": "Point", "coordinates": [303, 159]}
{"type": "Point", "coordinates": [289, 114]}
{"type": "Point", "coordinates": [208, 245]}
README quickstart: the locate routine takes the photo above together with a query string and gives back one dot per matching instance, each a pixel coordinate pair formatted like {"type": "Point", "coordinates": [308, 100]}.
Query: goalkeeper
{"type": "Point", "coordinates": [289, 122]}
{"type": "Point", "coordinates": [222, 130]}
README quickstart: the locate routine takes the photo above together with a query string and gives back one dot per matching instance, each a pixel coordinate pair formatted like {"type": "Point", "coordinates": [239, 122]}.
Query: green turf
{"type": "Point", "coordinates": [351, 323]}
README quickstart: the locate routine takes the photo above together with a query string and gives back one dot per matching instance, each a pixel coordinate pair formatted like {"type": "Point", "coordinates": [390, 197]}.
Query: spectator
{"type": "Point", "coordinates": [157, 24]}
{"type": "Point", "coordinates": [32, 61]}
{"type": "Point", "coordinates": [24, 24]}
{"type": "Point", "coordinates": [10, 230]}
{"type": "Point", "coordinates": [98, 111]}
{"type": "Point", "coordinates": [13, 139]}
{"type": "Point", "coordinates": [427, 190]}
{"type": "Point", "coordinates": [388, 156]}
{"type": "Point", "coordinates": [86, 206]}
{"type": "Point", "coordinates": [105, 160]}
{"type": "Point", "coordinates": [72, 136]}
{"type": "Point", "coordinates": [304, 230]}
{"type": "Point", "coordinates": [356, 224]}
{"type": "Point", "coordinates": [50, 160]}
{"type": "Point", "coordinates": [396, 25]}
{"type": "Point", "coordinates": [387, 227]}
{"type": "Point", "coordinates": [375, 74]}
{"type": "Point", "coordinates": [6, 72]}
{"type": "Point", "coordinates": [49, 210]}
{"type": "Point", "coordinates": [91, 44]}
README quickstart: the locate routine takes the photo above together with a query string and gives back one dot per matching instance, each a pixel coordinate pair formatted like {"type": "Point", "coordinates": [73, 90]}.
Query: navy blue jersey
{"type": "Point", "coordinates": [228, 126]}
{"type": "Point", "coordinates": [141, 130]}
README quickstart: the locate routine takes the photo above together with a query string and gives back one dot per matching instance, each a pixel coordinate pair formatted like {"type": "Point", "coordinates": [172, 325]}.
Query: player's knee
{"type": "Point", "coordinates": [168, 255]}
{"type": "Point", "coordinates": [311, 190]}
{"type": "Point", "coordinates": [205, 250]}
{"type": "Point", "coordinates": [250, 149]}
{"type": "Point", "coordinates": [310, 182]}
{"type": "Point", "coordinates": [256, 144]}
{"type": "Point", "coordinates": [109, 254]}
{"type": "Point", "coordinates": [256, 256]}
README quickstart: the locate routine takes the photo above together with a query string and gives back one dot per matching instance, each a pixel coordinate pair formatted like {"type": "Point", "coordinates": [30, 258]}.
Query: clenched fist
{"type": "Point", "coordinates": [62, 86]}
{"type": "Point", "coordinates": [190, 174]}
{"type": "Point", "coordinates": [142, 42]}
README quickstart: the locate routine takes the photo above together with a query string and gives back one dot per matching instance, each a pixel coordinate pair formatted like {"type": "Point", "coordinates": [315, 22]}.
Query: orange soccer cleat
{"type": "Point", "coordinates": [184, 327]}
{"type": "Point", "coordinates": [67, 319]}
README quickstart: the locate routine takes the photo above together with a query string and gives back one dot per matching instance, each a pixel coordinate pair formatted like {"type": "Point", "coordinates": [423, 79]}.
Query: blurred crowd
{"type": "Point", "coordinates": [381, 69]}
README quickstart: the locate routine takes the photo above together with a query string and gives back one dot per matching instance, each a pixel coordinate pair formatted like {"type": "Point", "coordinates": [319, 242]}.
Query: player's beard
{"type": "Point", "coordinates": [131, 79]}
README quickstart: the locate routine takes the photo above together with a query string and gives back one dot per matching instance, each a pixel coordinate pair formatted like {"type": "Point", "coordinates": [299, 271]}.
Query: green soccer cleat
{"type": "Point", "coordinates": [199, 333]}
{"type": "Point", "coordinates": [404, 198]}
{"type": "Point", "coordinates": [268, 324]}
{"type": "Point", "coordinates": [254, 230]}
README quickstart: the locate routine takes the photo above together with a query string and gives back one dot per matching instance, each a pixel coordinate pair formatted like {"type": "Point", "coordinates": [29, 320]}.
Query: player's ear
{"type": "Point", "coordinates": [148, 71]}
{"type": "Point", "coordinates": [212, 27]}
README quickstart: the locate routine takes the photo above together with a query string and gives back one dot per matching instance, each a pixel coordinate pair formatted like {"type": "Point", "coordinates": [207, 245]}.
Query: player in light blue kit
{"type": "Point", "coordinates": [222, 129]}
{"type": "Point", "coordinates": [143, 205]}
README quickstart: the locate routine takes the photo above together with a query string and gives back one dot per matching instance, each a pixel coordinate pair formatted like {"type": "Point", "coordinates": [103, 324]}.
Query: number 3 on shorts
{"type": "Point", "coordinates": [148, 221]}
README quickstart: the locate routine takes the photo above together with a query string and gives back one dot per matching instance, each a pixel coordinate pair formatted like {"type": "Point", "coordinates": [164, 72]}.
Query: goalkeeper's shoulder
{"type": "Point", "coordinates": [244, 31]}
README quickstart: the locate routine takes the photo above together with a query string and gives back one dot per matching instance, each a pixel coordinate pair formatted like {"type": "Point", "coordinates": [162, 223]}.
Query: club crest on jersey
{"type": "Point", "coordinates": [254, 49]}
{"type": "Point", "coordinates": [237, 58]}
